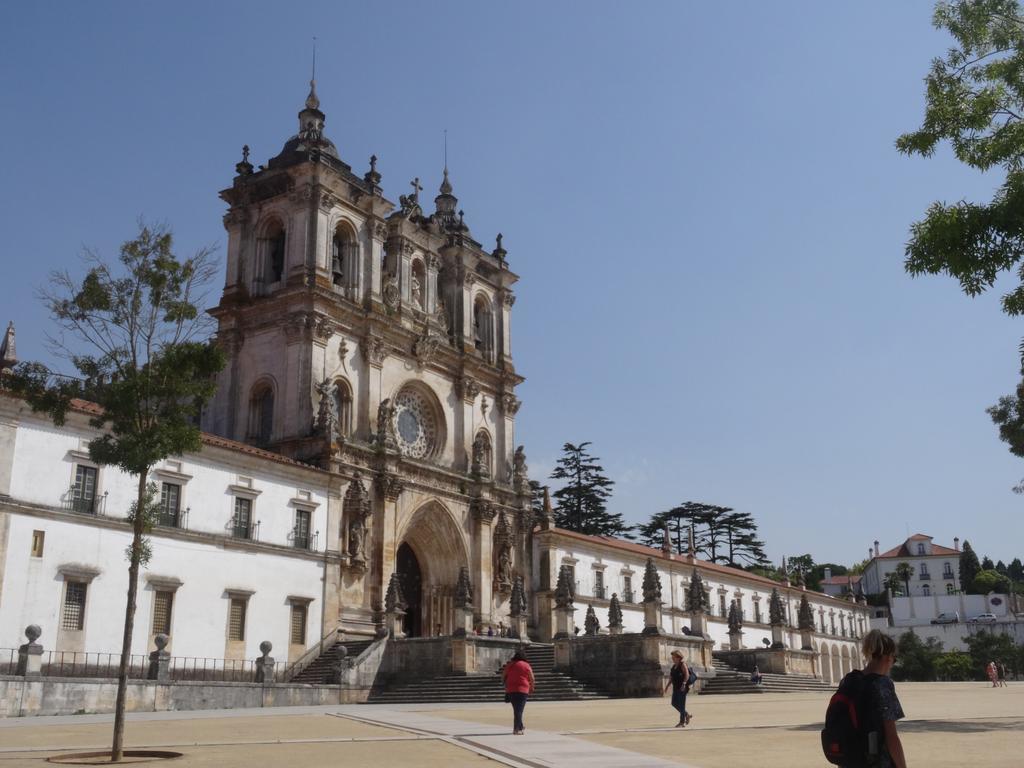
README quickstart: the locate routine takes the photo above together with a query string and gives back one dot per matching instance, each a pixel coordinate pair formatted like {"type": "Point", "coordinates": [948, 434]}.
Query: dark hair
{"type": "Point", "coordinates": [519, 656]}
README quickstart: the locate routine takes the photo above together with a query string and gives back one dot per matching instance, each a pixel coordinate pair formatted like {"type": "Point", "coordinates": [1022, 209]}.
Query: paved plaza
{"type": "Point", "coordinates": [948, 724]}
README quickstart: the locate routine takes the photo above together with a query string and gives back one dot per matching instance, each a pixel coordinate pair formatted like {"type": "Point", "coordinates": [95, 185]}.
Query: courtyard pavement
{"type": "Point", "coordinates": [948, 724]}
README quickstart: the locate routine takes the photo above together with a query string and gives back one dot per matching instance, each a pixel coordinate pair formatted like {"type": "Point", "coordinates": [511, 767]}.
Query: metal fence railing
{"type": "Point", "coordinates": [106, 665]}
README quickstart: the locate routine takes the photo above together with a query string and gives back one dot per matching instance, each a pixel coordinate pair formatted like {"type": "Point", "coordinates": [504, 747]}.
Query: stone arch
{"type": "Point", "coordinates": [344, 251]}
{"type": "Point", "coordinates": [436, 538]}
{"type": "Point", "coordinates": [837, 669]}
{"type": "Point", "coordinates": [418, 284]}
{"type": "Point", "coordinates": [420, 423]}
{"type": "Point", "coordinates": [483, 454]}
{"type": "Point", "coordinates": [825, 662]}
{"type": "Point", "coordinates": [483, 326]}
{"type": "Point", "coordinates": [262, 399]}
{"type": "Point", "coordinates": [271, 252]}
{"type": "Point", "coordinates": [343, 403]}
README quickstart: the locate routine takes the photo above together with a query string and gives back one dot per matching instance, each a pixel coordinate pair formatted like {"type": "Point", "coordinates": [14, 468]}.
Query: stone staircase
{"type": "Point", "coordinates": [729, 680]}
{"type": "Point", "coordinates": [320, 671]}
{"type": "Point", "coordinates": [550, 685]}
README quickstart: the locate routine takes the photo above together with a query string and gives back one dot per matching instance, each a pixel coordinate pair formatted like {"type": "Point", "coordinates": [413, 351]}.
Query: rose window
{"type": "Point", "coordinates": [414, 424]}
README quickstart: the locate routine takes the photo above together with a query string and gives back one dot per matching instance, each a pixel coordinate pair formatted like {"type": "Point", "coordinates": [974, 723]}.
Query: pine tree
{"type": "Point", "coordinates": [987, 564]}
{"type": "Point", "coordinates": [1016, 570]}
{"type": "Point", "coordinates": [712, 528]}
{"type": "Point", "coordinates": [741, 540]}
{"type": "Point", "coordinates": [581, 502]}
{"type": "Point", "coordinates": [969, 567]}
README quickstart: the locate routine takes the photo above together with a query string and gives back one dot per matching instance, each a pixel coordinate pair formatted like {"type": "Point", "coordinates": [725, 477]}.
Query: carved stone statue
{"type": "Point", "coordinates": [565, 590]}
{"type": "Point", "coordinates": [392, 296]}
{"type": "Point", "coordinates": [481, 466]}
{"type": "Point", "coordinates": [356, 537]}
{"type": "Point", "coordinates": [505, 565]}
{"type": "Point", "coordinates": [327, 420]}
{"type": "Point", "coordinates": [386, 438]}
{"type": "Point", "coordinates": [735, 618]}
{"type": "Point", "coordinates": [416, 292]}
{"type": "Point", "coordinates": [356, 508]}
{"type": "Point", "coordinates": [441, 314]}
{"type": "Point", "coordinates": [520, 476]}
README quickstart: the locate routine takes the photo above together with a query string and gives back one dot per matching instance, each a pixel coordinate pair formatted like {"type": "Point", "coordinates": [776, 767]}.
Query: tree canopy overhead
{"type": "Point", "coordinates": [581, 504]}
{"type": "Point", "coordinates": [721, 534]}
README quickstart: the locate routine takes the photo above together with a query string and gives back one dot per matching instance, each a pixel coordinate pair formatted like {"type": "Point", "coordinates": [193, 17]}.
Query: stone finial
{"type": "Point", "coordinates": [499, 252]}
{"type": "Point", "coordinates": [265, 663]}
{"type": "Point", "coordinates": [805, 616]}
{"type": "Point", "coordinates": [696, 597]}
{"type": "Point", "coordinates": [394, 600]}
{"type": "Point", "coordinates": [776, 613]}
{"type": "Point", "coordinates": [517, 602]}
{"type": "Point", "coordinates": [548, 520]}
{"type": "Point", "coordinates": [591, 625]}
{"type": "Point", "coordinates": [614, 612]}
{"type": "Point", "coordinates": [652, 582]}
{"type": "Point", "coordinates": [33, 632]}
{"type": "Point", "coordinates": [161, 640]}
{"type": "Point", "coordinates": [463, 589]}
{"type": "Point", "coordinates": [244, 168]}
{"type": "Point", "coordinates": [266, 647]}
{"type": "Point", "coordinates": [8, 353]}
{"type": "Point", "coordinates": [565, 590]}
{"type": "Point", "coordinates": [372, 176]}
{"type": "Point", "coordinates": [666, 541]}
{"type": "Point", "coordinates": [735, 617]}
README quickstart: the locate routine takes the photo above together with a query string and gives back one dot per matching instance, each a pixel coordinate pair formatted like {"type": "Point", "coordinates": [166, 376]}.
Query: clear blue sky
{"type": "Point", "coordinates": [702, 199]}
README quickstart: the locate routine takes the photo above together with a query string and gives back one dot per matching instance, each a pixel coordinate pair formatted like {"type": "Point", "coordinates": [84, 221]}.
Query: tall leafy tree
{"type": "Point", "coordinates": [905, 572]}
{"type": "Point", "coordinates": [892, 583]}
{"type": "Point", "coordinates": [133, 332]}
{"type": "Point", "coordinates": [987, 564]}
{"type": "Point", "coordinates": [974, 100]}
{"type": "Point", "coordinates": [1015, 570]}
{"type": "Point", "coordinates": [721, 535]}
{"type": "Point", "coordinates": [581, 504]}
{"type": "Point", "coordinates": [969, 567]}
{"type": "Point", "coordinates": [743, 546]}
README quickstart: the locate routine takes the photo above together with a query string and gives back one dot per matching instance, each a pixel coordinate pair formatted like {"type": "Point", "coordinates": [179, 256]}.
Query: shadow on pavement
{"type": "Point", "coordinates": [945, 726]}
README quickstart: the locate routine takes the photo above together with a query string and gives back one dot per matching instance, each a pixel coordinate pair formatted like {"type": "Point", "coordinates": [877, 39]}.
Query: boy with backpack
{"type": "Point", "coordinates": [860, 722]}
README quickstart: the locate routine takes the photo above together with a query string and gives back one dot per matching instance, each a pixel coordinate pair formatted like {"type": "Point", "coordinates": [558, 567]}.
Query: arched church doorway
{"type": "Point", "coordinates": [411, 577]}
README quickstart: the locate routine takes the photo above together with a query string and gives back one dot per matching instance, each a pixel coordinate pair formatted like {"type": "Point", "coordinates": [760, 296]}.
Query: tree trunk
{"type": "Point", "coordinates": [138, 528]}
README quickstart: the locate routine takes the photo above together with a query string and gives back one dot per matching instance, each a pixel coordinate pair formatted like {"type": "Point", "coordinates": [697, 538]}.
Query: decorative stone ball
{"type": "Point", "coordinates": [160, 641]}
{"type": "Point", "coordinates": [32, 632]}
{"type": "Point", "coordinates": [266, 647]}
{"type": "Point", "coordinates": [342, 651]}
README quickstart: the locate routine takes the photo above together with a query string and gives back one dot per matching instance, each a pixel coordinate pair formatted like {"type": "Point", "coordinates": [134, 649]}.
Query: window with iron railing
{"type": "Point", "coordinates": [82, 495]}
{"type": "Point", "coordinates": [73, 616]}
{"type": "Point", "coordinates": [599, 584]}
{"type": "Point", "coordinates": [170, 505]}
{"type": "Point", "coordinates": [627, 589]}
{"type": "Point", "coordinates": [163, 602]}
{"type": "Point", "coordinates": [300, 536]}
{"type": "Point", "coordinates": [242, 526]}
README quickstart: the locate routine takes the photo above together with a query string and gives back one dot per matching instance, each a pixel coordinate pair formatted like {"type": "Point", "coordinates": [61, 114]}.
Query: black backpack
{"type": "Point", "coordinates": [851, 735]}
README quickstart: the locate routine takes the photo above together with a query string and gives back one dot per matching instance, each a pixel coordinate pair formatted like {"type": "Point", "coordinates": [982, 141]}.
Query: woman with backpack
{"type": "Point", "coordinates": [679, 680]}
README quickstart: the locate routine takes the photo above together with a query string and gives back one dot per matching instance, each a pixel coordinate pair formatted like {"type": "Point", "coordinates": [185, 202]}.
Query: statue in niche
{"type": "Point", "coordinates": [416, 292]}
{"type": "Point", "coordinates": [392, 296]}
{"type": "Point", "coordinates": [505, 565]}
{"type": "Point", "coordinates": [481, 465]}
{"type": "Point", "coordinates": [356, 538]}
{"type": "Point", "coordinates": [441, 314]}
{"type": "Point", "coordinates": [386, 425]}
{"type": "Point", "coordinates": [519, 468]}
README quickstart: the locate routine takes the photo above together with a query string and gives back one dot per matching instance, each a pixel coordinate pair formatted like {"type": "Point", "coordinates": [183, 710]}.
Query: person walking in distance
{"type": "Point", "coordinates": [678, 680]}
{"type": "Point", "coordinates": [519, 684]}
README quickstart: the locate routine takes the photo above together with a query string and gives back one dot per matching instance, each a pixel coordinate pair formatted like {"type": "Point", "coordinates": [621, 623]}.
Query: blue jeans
{"type": "Point", "coordinates": [518, 705]}
{"type": "Point", "coordinates": [679, 702]}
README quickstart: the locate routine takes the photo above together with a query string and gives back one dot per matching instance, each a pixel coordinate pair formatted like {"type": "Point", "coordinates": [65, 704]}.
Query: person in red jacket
{"type": "Point", "coordinates": [519, 682]}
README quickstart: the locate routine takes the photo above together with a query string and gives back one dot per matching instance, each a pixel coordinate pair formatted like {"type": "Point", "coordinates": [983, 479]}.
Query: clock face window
{"type": "Point", "coordinates": [415, 424]}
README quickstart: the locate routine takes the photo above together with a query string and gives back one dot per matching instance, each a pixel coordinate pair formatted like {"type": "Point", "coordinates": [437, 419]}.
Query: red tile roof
{"type": "Point", "coordinates": [903, 551]}
{"type": "Point", "coordinates": [640, 549]}
{"type": "Point", "coordinates": [842, 581]}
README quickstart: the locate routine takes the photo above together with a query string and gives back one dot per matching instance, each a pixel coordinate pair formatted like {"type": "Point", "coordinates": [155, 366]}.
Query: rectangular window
{"type": "Point", "coordinates": [721, 605]}
{"type": "Point", "coordinates": [301, 532]}
{"type": "Point", "coordinates": [627, 588]}
{"type": "Point", "coordinates": [74, 606]}
{"type": "Point", "coordinates": [757, 611]}
{"type": "Point", "coordinates": [298, 629]}
{"type": "Point", "coordinates": [242, 523]}
{"type": "Point", "coordinates": [236, 621]}
{"type": "Point", "coordinates": [38, 537]}
{"type": "Point", "coordinates": [170, 504]}
{"type": "Point", "coordinates": [163, 602]}
{"type": "Point", "coordinates": [599, 584]}
{"type": "Point", "coordinates": [83, 492]}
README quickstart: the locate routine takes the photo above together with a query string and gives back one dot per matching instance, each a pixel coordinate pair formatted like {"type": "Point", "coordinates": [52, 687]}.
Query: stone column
{"type": "Point", "coordinates": [379, 236]}
{"type": "Point", "coordinates": [467, 388]}
{"type": "Point", "coordinates": [468, 280]}
{"type": "Point", "coordinates": [565, 608]}
{"type": "Point", "coordinates": [777, 619]}
{"type": "Point", "coordinates": [265, 664]}
{"type": "Point", "coordinates": [430, 289]}
{"type": "Point", "coordinates": [159, 660]}
{"type": "Point", "coordinates": [505, 325]}
{"type": "Point", "coordinates": [30, 654]}
{"type": "Point", "coordinates": [652, 599]}
{"type": "Point", "coordinates": [388, 488]}
{"type": "Point", "coordinates": [483, 513]}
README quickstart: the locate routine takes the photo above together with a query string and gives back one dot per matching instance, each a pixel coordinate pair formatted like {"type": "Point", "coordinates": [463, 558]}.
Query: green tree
{"type": "Point", "coordinates": [974, 100]}
{"type": "Point", "coordinates": [990, 581]}
{"type": "Point", "coordinates": [969, 567]}
{"type": "Point", "coordinates": [892, 583]}
{"type": "Point", "coordinates": [904, 572]}
{"type": "Point", "coordinates": [536, 500]}
{"type": "Point", "coordinates": [581, 504]}
{"type": "Point", "coordinates": [720, 533]}
{"type": "Point", "coordinates": [858, 567]}
{"type": "Point", "coordinates": [984, 647]}
{"type": "Point", "coordinates": [1015, 570]}
{"type": "Point", "coordinates": [741, 541]}
{"type": "Point", "coordinates": [916, 660]}
{"type": "Point", "coordinates": [987, 564]}
{"type": "Point", "coordinates": [814, 578]}
{"type": "Point", "coordinates": [954, 666]}
{"type": "Point", "coordinates": [133, 332]}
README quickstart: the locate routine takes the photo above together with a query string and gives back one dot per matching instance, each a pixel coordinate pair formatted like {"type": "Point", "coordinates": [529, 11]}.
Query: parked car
{"type": "Point", "coordinates": [947, 618]}
{"type": "Point", "coordinates": [983, 618]}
